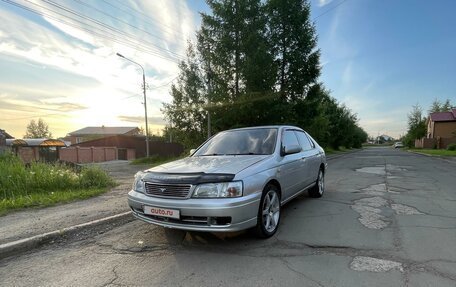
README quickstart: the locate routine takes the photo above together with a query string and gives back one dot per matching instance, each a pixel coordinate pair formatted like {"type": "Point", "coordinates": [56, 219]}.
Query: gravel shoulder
{"type": "Point", "coordinates": [34, 221]}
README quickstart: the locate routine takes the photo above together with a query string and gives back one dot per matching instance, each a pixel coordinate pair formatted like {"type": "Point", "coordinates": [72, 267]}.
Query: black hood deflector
{"type": "Point", "coordinates": [186, 178]}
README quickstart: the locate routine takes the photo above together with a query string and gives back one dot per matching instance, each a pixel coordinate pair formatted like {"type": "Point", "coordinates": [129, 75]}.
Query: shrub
{"type": "Point", "coordinates": [18, 180]}
{"type": "Point", "coordinates": [94, 176]}
{"type": "Point", "coordinates": [451, 146]}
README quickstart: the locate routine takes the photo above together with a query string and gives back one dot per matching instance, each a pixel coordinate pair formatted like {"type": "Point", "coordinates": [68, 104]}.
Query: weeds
{"type": "Point", "coordinates": [44, 184]}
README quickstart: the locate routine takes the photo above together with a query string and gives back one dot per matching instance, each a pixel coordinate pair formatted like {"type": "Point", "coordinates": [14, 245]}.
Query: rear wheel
{"type": "Point", "coordinates": [319, 188]}
{"type": "Point", "coordinates": [269, 212]}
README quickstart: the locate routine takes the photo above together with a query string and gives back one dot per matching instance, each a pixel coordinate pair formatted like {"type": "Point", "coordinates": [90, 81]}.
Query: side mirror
{"type": "Point", "coordinates": [291, 149]}
{"type": "Point", "coordinates": [192, 151]}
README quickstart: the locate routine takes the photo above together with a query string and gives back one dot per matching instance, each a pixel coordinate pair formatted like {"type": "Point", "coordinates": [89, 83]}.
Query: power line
{"type": "Point", "coordinates": [125, 22]}
{"type": "Point", "coordinates": [332, 8]}
{"type": "Point", "coordinates": [141, 14]}
{"type": "Point", "coordinates": [164, 85]}
{"type": "Point", "coordinates": [101, 24]}
{"type": "Point", "coordinates": [125, 42]}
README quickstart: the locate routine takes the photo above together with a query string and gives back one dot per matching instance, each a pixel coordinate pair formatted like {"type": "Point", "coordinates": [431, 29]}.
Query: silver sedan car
{"type": "Point", "coordinates": [236, 180]}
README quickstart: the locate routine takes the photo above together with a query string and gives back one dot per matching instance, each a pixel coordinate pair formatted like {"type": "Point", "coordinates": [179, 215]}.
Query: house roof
{"type": "Point", "coordinates": [7, 135]}
{"type": "Point", "coordinates": [35, 142]}
{"type": "Point", "coordinates": [103, 131]}
{"type": "Point", "coordinates": [444, 116]}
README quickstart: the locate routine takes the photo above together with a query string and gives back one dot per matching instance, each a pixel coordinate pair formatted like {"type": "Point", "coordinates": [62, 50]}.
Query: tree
{"type": "Point", "coordinates": [294, 44]}
{"type": "Point", "coordinates": [38, 129]}
{"type": "Point", "coordinates": [232, 42]}
{"type": "Point", "coordinates": [256, 63]}
{"type": "Point", "coordinates": [416, 126]}
{"type": "Point", "coordinates": [186, 111]}
{"type": "Point", "coordinates": [438, 106]}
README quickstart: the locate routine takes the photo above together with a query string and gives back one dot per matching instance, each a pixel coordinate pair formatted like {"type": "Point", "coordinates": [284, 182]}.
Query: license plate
{"type": "Point", "coordinates": [164, 212]}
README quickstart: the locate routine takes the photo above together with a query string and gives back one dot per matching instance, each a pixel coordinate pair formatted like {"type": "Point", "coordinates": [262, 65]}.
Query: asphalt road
{"type": "Point", "coordinates": [388, 218]}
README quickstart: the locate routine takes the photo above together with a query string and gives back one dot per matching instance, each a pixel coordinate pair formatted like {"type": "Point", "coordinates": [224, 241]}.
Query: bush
{"type": "Point", "coordinates": [18, 180]}
{"type": "Point", "coordinates": [94, 176]}
{"type": "Point", "coordinates": [451, 146]}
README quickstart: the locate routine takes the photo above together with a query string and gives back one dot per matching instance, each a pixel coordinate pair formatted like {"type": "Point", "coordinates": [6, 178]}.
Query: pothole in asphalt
{"type": "Point", "coordinates": [363, 263]}
{"type": "Point", "coordinates": [398, 167]}
{"type": "Point", "coordinates": [370, 214]}
{"type": "Point", "coordinates": [377, 189]}
{"type": "Point", "coordinates": [380, 169]}
{"type": "Point", "coordinates": [402, 209]}
{"type": "Point", "coordinates": [369, 210]}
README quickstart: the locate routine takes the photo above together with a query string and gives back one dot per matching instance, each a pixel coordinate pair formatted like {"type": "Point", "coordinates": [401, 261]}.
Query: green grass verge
{"type": "Point", "coordinates": [435, 152]}
{"type": "Point", "coordinates": [329, 150]}
{"type": "Point", "coordinates": [44, 184]}
{"type": "Point", "coordinates": [47, 199]}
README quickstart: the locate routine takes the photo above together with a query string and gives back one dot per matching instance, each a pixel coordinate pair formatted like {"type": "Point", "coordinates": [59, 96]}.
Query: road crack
{"type": "Point", "coordinates": [287, 264]}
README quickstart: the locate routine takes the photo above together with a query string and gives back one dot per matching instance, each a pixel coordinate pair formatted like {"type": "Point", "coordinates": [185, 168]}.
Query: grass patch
{"type": "Point", "coordinates": [435, 152]}
{"type": "Point", "coordinates": [47, 199]}
{"type": "Point", "coordinates": [153, 160]}
{"type": "Point", "coordinates": [44, 184]}
{"type": "Point", "coordinates": [342, 149]}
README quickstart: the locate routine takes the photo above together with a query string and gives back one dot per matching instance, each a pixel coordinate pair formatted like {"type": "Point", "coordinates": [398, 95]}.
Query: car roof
{"type": "Point", "coordinates": [267, 127]}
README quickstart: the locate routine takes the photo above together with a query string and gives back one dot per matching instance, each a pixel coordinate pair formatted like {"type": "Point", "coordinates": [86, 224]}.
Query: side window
{"type": "Point", "coordinates": [312, 141]}
{"type": "Point", "coordinates": [289, 139]}
{"type": "Point", "coordinates": [303, 140]}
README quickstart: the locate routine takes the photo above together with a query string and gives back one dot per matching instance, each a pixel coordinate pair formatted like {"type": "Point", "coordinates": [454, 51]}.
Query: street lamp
{"type": "Point", "coordinates": [145, 101]}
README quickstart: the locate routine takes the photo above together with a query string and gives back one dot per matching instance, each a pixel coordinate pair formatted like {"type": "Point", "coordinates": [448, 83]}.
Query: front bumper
{"type": "Point", "coordinates": [197, 214]}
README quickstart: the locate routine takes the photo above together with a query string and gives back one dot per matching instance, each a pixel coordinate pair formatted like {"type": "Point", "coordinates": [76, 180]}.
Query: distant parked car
{"type": "Point", "coordinates": [236, 180]}
{"type": "Point", "coordinates": [398, 145]}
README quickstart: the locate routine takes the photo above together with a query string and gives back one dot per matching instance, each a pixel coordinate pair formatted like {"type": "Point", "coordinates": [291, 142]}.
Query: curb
{"type": "Point", "coordinates": [441, 157]}
{"type": "Point", "coordinates": [331, 157]}
{"type": "Point", "coordinates": [26, 244]}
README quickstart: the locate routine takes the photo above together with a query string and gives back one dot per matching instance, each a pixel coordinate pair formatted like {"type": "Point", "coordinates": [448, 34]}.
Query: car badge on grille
{"type": "Point", "coordinates": [162, 189]}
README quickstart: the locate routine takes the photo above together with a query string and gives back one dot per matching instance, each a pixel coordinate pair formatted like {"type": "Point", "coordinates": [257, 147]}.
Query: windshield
{"type": "Point", "coordinates": [240, 142]}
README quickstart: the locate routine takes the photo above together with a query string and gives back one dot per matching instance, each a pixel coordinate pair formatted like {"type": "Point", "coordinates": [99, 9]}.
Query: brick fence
{"type": "Point", "coordinates": [440, 143]}
{"type": "Point", "coordinates": [95, 154]}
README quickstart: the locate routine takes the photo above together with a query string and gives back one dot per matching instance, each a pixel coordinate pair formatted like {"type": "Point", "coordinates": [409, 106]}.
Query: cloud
{"type": "Point", "coordinates": [60, 69]}
{"type": "Point", "coordinates": [96, 57]}
{"type": "Point", "coordinates": [17, 105]}
{"type": "Point", "coordinates": [322, 3]}
{"type": "Point", "coordinates": [140, 120]}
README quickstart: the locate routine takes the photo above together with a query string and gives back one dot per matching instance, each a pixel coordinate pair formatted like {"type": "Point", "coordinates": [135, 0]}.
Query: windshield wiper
{"type": "Point", "coordinates": [245, 153]}
{"type": "Point", "coordinates": [211, 154]}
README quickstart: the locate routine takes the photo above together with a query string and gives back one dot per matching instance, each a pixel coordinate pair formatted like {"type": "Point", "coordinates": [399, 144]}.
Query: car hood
{"type": "Point", "coordinates": [210, 164]}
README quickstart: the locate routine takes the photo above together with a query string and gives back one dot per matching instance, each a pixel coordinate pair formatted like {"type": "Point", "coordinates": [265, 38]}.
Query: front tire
{"type": "Point", "coordinates": [269, 212]}
{"type": "Point", "coordinates": [318, 189]}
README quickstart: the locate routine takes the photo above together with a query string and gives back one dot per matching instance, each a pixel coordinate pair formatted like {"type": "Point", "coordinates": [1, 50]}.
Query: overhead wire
{"type": "Point", "coordinates": [114, 38]}
{"type": "Point", "coordinates": [127, 43]}
{"type": "Point", "coordinates": [143, 15]}
{"type": "Point", "coordinates": [126, 23]}
{"type": "Point", "coordinates": [68, 10]}
{"type": "Point", "coordinates": [329, 10]}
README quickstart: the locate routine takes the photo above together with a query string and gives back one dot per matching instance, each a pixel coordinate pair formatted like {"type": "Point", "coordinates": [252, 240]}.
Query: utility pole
{"type": "Point", "coordinates": [145, 101]}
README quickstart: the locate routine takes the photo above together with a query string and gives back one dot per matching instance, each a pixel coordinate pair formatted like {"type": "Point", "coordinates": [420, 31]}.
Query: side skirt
{"type": "Point", "coordinates": [297, 194]}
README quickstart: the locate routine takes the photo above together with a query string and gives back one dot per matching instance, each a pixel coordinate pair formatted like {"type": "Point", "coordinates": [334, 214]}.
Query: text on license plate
{"type": "Point", "coordinates": [150, 210]}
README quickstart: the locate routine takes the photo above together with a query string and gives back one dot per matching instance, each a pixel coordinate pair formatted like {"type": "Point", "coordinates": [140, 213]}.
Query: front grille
{"type": "Point", "coordinates": [167, 190]}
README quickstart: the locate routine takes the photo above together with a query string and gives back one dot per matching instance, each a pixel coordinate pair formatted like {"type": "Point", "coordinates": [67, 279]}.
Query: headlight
{"type": "Point", "coordinates": [222, 189]}
{"type": "Point", "coordinates": [138, 184]}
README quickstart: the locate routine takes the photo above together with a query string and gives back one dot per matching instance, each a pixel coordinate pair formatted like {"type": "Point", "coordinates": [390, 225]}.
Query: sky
{"type": "Point", "coordinates": [378, 57]}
